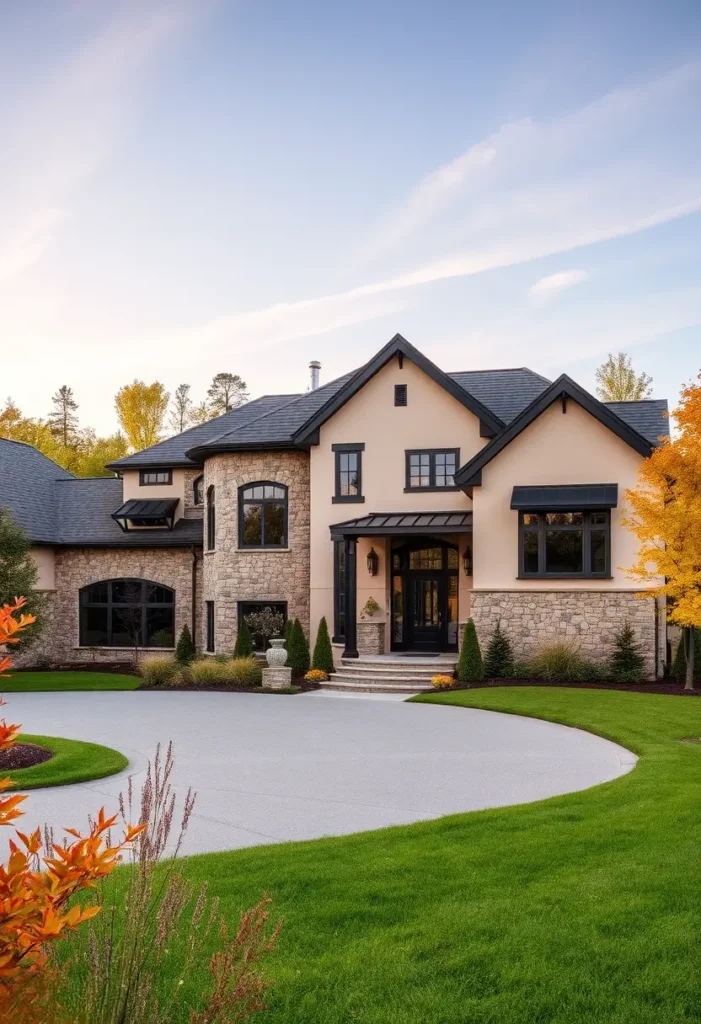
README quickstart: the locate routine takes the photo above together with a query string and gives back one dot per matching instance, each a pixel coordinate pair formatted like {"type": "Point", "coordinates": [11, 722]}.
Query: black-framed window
{"type": "Point", "coordinates": [339, 591]}
{"type": "Point", "coordinates": [263, 515]}
{"type": "Point", "coordinates": [565, 544]}
{"type": "Point", "coordinates": [348, 472]}
{"type": "Point", "coordinates": [197, 490]}
{"type": "Point", "coordinates": [211, 518]}
{"type": "Point", "coordinates": [209, 621]}
{"type": "Point", "coordinates": [246, 607]}
{"type": "Point", "coordinates": [157, 477]}
{"type": "Point", "coordinates": [127, 613]}
{"type": "Point", "coordinates": [432, 469]}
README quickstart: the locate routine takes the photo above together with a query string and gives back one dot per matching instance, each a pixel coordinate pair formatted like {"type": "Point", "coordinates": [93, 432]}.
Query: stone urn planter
{"type": "Point", "coordinates": [276, 655]}
{"type": "Point", "coordinates": [276, 676]}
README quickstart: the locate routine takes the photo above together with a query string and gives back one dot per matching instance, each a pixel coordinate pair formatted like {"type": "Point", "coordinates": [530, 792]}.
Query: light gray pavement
{"type": "Point", "coordinates": [275, 768]}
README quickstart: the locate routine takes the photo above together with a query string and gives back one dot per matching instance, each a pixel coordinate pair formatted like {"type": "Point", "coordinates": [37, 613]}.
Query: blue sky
{"type": "Point", "coordinates": [191, 186]}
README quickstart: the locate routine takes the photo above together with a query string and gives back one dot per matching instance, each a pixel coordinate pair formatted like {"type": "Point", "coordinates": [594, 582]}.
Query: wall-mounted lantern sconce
{"type": "Point", "coordinates": [373, 562]}
{"type": "Point", "coordinates": [467, 560]}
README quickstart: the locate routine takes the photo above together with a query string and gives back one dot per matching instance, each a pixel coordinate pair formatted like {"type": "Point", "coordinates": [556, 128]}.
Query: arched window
{"type": "Point", "coordinates": [197, 493]}
{"type": "Point", "coordinates": [211, 519]}
{"type": "Point", "coordinates": [263, 515]}
{"type": "Point", "coordinates": [127, 613]}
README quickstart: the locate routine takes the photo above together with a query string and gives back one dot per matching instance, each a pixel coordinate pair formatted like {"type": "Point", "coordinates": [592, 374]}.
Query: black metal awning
{"type": "Point", "coordinates": [379, 524]}
{"type": "Point", "coordinates": [146, 513]}
{"type": "Point", "coordinates": [561, 498]}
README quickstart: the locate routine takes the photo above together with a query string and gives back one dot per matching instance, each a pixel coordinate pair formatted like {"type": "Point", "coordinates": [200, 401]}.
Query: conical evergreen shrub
{"type": "Point", "coordinates": [298, 651]}
{"type": "Point", "coordinates": [469, 668]}
{"type": "Point", "coordinates": [627, 664]}
{"type": "Point", "coordinates": [323, 654]}
{"type": "Point", "coordinates": [499, 659]}
{"type": "Point", "coordinates": [244, 642]}
{"type": "Point", "coordinates": [185, 651]}
{"type": "Point", "coordinates": [679, 663]}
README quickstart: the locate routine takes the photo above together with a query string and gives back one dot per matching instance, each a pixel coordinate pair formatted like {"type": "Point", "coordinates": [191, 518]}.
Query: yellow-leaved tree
{"type": "Point", "coordinates": [665, 515]}
{"type": "Point", "coordinates": [141, 409]}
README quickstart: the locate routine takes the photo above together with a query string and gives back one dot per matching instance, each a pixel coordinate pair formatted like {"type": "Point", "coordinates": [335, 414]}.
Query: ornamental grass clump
{"type": "Point", "coordinates": [561, 662]}
{"type": "Point", "coordinates": [153, 917]}
{"type": "Point", "coordinates": [158, 669]}
{"type": "Point", "coordinates": [236, 673]}
{"type": "Point", "coordinates": [244, 672]}
{"type": "Point", "coordinates": [469, 668]}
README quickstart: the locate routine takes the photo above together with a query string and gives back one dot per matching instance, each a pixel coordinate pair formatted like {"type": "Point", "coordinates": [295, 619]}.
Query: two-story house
{"type": "Point", "coordinates": [440, 496]}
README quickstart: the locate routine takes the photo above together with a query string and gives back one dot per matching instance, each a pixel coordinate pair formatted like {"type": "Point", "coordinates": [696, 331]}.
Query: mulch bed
{"type": "Point", "coordinates": [23, 755]}
{"type": "Point", "coordinates": [670, 688]}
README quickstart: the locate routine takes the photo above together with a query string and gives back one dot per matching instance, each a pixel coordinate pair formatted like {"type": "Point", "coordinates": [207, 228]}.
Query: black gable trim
{"type": "Point", "coordinates": [470, 475]}
{"type": "Point", "coordinates": [490, 425]}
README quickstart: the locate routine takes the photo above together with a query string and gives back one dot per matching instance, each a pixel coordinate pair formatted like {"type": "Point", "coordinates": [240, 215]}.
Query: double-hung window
{"type": "Point", "coordinates": [349, 472]}
{"type": "Point", "coordinates": [432, 469]}
{"type": "Point", "coordinates": [565, 544]}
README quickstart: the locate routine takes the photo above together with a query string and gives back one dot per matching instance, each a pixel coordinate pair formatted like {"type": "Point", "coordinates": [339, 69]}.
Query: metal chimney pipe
{"type": "Point", "coordinates": [315, 367]}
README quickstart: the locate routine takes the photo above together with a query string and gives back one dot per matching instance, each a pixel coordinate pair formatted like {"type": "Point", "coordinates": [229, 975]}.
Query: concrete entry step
{"type": "Point", "coordinates": [374, 686]}
{"type": "Point", "coordinates": [368, 672]}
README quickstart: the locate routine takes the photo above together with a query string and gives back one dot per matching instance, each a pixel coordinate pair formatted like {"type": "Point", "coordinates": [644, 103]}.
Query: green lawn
{"type": "Point", "coordinates": [584, 908]}
{"type": "Point", "coordinates": [18, 682]}
{"type": "Point", "coordinates": [73, 761]}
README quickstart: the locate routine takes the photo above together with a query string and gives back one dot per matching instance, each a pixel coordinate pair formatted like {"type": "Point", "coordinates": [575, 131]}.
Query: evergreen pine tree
{"type": "Point", "coordinates": [185, 650]}
{"type": "Point", "coordinates": [323, 654]}
{"type": "Point", "coordinates": [469, 668]}
{"type": "Point", "coordinates": [499, 659]}
{"type": "Point", "coordinates": [627, 663]}
{"type": "Point", "coordinates": [18, 578]}
{"type": "Point", "coordinates": [244, 642]}
{"type": "Point", "coordinates": [679, 663]}
{"type": "Point", "coordinates": [298, 651]}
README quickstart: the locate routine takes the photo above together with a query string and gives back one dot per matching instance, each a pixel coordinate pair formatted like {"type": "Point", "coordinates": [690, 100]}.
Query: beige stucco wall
{"type": "Point", "coordinates": [45, 561]}
{"type": "Point", "coordinates": [266, 574]}
{"type": "Point", "coordinates": [132, 489]}
{"type": "Point", "coordinates": [557, 448]}
{"type": "Point", "coordinates": [431, 419]}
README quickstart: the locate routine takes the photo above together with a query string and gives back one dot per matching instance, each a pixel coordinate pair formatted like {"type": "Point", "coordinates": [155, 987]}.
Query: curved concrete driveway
{"type": "Point", "coordinates": [269, 769]}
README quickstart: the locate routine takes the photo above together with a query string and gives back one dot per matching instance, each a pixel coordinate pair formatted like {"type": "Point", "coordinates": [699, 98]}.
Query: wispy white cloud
{"type": "Point", "coordinates": [62, 129]}
{"type": "Point", "coordinates": [550, 287]}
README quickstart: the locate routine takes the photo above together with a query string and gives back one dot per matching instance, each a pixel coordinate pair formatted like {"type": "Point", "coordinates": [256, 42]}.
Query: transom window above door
{"type": "Point", "coordinates": [432, 469]}
{"type": "Point", "coordinates": [263, 515]}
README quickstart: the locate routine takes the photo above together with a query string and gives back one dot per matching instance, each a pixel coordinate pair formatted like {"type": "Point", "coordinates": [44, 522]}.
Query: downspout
{"type": "Point", "coordinates": [193, 551]}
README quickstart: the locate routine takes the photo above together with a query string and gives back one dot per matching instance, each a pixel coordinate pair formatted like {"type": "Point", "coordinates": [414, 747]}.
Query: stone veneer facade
{"type": "Point", "coordinates": [232, 574]}
{"type": "Point", "coordinates": [371, 637]}
{"type": "Point", "coordinates": [191, 510]}
{"type": "Point", "coordinates": [77, 567]}
{"type": "Point", "coordinates": [589, 618]}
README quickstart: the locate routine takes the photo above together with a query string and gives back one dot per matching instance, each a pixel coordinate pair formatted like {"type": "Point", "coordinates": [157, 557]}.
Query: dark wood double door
{"type": "Point", "coordinates": [425, 597]}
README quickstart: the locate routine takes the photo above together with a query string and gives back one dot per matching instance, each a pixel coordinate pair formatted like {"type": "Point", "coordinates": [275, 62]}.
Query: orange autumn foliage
{"type": "Point", "coordinates": [34, 900]}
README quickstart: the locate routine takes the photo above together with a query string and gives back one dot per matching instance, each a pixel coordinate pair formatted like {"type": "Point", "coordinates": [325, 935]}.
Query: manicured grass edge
{"type": "Point", "coordinates": [73, 761]}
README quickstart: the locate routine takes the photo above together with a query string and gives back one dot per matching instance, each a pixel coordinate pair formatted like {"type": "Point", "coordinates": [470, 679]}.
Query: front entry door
{"type": "Point", "coordinates": [426, 615]}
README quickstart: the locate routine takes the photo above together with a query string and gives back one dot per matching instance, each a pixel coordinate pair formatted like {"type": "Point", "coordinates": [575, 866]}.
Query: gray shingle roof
{"type": "Point", "coordinates": [171, 452]}
{"type": "Point", "coordinates": [28, 488]}
{"type": "Point", "coordinates": [278, 425]}
{"type": "Point", "coordinates": [85, 508]}
{"type": "Point", "coordinates": [648, 416]}
{"type": "Point", "coordinates": [505, 392]}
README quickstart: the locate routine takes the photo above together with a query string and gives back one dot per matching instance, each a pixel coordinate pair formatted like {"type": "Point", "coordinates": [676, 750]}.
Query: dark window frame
{"type": "Point", "coordinates": [247, 606]}
{"type": "Point", "coordinates": [339, 592]}
{"type": "Point", "coordinates": [211, 518]}
{"type": "Point", "coordinates": [209, 627]}
{"type": "Point", "coordinates": [431, 452]}
{"type": "Point", "coordinates": [84, 604]}
{"type": "Point", "coordinates": [586, 528]}
{"type": "Point", "coordinates": [144, 473]}
{"type": "Point", "coordinates": [197, 490]}
{"type": "Point", "coordinates": [244, 502]}
{"type": "Point", "coordinates": [347, 449]}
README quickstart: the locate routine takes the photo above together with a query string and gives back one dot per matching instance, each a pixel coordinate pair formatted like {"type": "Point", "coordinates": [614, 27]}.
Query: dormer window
{"type": "Point", "coordinates": [155, 477]}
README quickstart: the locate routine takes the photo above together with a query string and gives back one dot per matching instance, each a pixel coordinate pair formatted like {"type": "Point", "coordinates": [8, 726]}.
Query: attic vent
{"type": "Point", "coordinates": [400, 394]}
